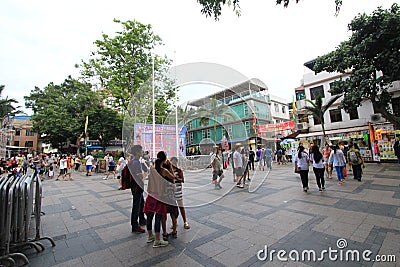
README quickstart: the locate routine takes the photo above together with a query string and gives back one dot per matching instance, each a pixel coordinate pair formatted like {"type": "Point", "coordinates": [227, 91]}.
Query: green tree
{"type": "Point", "coordinates": [318, 110]}
{"type": "Point", "coordinates": [371, 57]}
{"type": "Point", "coordinates": [59, 113]}
{"type": "Point", "coordinates": [122, 67]}
{"type": "Point", "coordinates": [7, 105]}
{"type": "Point", "coordinates": [213, 7]}
{"type": "Point", "coordinates": [212, 111]}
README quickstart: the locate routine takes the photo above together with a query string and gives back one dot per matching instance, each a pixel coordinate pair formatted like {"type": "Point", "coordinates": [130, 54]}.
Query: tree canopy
{"type": "Point", "coordinates": [59, 113]}
{"type": "Point", "coordinates": [122, 67]}
{"type": "Point", "coordinates": [213, 8]}
{"type": "Point", "coordinates": [371, 56]}
{"type": "Point", "coordinates": [8, 105]}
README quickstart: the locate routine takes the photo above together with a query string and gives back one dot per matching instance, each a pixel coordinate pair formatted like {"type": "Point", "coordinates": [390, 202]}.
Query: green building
{"type": "Point", "coordinates": [233, 113]}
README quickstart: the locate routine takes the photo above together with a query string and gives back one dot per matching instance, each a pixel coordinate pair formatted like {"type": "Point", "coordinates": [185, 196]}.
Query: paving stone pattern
{"type": "Point", "coordinates": [90, 221]}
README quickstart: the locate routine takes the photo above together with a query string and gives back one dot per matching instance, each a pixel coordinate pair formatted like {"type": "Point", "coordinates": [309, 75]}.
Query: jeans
{"type": "Point", "coordinates": [319, 176]}
{"type": "Point", "coordinates": [304, 178]}
{"type": "Point", "coordinates": [339, 171]}
{"type": "Point", "coordinates": [157, 222]}
{"type": "Point", "coordinates": [136, 206]}
{"type": "Point", "coordinates": [268, 162]}
{"type": "Point", "coordinates": [357, 171]}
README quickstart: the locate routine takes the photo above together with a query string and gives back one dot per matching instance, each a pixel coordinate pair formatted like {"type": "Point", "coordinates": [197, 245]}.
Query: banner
{"type": "Point", "coordinates": [165, 139]}
{"type": "Point", "coordinates": [287, 125]}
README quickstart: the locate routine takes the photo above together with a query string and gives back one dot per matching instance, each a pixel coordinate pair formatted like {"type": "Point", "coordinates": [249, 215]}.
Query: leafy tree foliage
{"type": "Point", "coordinates": [214, 7]}
{"type": "Point", "coordinates": [122, 68]}
{"type": "Point", "coordinates": [7, 105]}
{"type": "Point", "coordinates": [59, 113]}
{"type": "Point", "coordinates": [371, 56]}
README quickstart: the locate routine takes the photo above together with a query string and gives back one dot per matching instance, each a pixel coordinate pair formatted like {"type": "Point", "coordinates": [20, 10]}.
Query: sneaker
{"type": "Point", "coordinates": [240, 186]}
{"type": "Point", "coordinates": [150, 239]}
{"type": "Point", "coordinates": [139, 230]}
{"type": "Point", "coordinates": [305, 189]}
{"type": "Point", "coordinates": [323, 188]}
{"type": "Point", "coordinates": [220, 187]}
{"type": "Point", "coordinates": [339, 183]}
{"type": "Point", "coordinates": [160, 243]}
{"type": "Point", "coordinates": [320, 189]}
{"type": "Point", "coordinates": [105, 178]}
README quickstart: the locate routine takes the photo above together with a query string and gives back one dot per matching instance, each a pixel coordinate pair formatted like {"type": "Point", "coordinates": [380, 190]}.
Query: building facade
{"type": "Point", "coordinates": [235, 114]}
{"type": "Point", "coordinates": [360, 126]}
{"type": "Point", "coordinates": [24, 139]}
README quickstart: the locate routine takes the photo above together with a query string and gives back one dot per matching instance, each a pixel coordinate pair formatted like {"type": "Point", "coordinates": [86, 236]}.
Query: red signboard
{"type": "Point", "coordinates": [287, 125]}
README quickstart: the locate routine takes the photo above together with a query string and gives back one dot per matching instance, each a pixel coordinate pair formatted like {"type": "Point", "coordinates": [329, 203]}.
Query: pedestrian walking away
{"type": "Point", "coordinates": [301, 162]}
{"type": "Point", "coordinates": [316, 158]}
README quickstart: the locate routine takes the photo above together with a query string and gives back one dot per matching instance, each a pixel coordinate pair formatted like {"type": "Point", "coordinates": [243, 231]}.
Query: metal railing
{"type": "Point", "coordinates": [20, 201]}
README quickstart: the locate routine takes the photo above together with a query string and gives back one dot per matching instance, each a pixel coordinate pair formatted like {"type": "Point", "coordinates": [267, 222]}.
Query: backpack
{"type": "Point", "coordinates": [353, 157]}
{"type": "Point", "coordinates": [126, 178]}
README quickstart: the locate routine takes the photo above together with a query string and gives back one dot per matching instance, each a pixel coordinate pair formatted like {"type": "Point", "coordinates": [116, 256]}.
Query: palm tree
{"type": "Point", "coordinates": [317, 110]}
{"type": "Point", "coordinates": [7, 105]}
{"type": "Point", "coordinates": [212, 111]}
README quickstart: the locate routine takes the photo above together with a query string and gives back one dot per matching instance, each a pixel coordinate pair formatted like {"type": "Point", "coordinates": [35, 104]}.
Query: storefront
{"type": "Point", "coordinates": [358, 135]}
{"type": "Point", "coordinates": [386, 137]}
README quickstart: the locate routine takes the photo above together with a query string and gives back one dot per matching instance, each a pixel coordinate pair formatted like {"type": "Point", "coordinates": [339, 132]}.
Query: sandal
{"type": "Point", "coordinates": [165, 237]}
{"type": "Point", "coordinates": [186, 225]}
{"type": "Point", "coordinates": [174, 235]}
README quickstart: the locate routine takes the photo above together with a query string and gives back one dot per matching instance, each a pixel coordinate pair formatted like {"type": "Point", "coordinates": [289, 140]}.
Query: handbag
{"type": "Point", "coordinates": [296, 169]}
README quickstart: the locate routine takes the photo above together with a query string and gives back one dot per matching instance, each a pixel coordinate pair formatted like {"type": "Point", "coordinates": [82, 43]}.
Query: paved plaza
{"type": "Point", "coordinates": [89, 220]}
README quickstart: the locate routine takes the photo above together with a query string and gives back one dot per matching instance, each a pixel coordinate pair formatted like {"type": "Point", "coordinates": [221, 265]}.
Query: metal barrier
{"type": "Point", "coordinates": [19, 200]}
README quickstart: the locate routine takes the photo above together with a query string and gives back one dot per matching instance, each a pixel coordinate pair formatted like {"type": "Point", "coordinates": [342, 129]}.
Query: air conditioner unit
{"type": "Point", "coordinates": [377, 118]}
{"type": "Point", "coordinates": [302, 126]}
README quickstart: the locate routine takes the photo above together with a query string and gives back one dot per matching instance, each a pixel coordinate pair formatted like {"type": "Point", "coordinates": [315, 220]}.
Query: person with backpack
{"type": "Point", "coordinates": [354, 158]}
{"type": "Point", "coordinates": [318, 166]}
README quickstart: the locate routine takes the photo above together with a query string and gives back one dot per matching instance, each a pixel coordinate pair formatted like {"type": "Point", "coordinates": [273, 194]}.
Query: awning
{"type": "Point", "coordinates": [336, 131]}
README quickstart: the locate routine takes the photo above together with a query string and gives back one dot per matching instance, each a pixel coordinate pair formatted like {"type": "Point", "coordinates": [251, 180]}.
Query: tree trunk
{"type": "Point", "coordinates": [390, 117]}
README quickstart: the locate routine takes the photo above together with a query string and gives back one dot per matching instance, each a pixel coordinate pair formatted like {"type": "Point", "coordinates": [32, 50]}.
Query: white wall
{"type": "Point", "coordinates": [279, 116]}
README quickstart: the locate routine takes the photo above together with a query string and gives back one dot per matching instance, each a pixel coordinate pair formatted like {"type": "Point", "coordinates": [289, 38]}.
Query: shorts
{"type": "Point", "coordinates": [68, 170]}
{"type": "Point", "coordinates": [63, 171]}
{"type": "Point", "coordinates": [41, 170]}
{"type": "Point", "coordinates": [89, 167]}
{"type": "Point", "coordinates": [239, 171]}
{"type": "Point", "coordinates": [326, 160]}
{"type": "Point", "coordinates": [217, 174]}
{"type": "Point", "coordinates": [111, 168]}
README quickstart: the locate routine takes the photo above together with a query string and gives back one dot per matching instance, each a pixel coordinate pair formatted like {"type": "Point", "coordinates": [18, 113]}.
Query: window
{"type": "Point", "coordinates": [396, 106]}
{"type": "Point", "coordinates": [316, 121]}
{"type": "Point", "coordinates": [29, 133]}
{"type": "Point", "coordinates": [353, 114]}
{"type": "Point", "coordinates": [317, 91]}
{"type": "Point", "coordinates": [18, 132]}
{"type": "Point", "coordinates": [246, 109]}
{"type": "Point", "coordinates": [300, 94]}
{"type": "Point", "coordinates": [29, 144]}
{"type": "Point", "coordinates": [16, 143]}
{"type": "Point", "coordinates": [229, 127]}
{"type": "Point", "coordinates": [283, 109]}
{"type": "Point", "coordinates": [208, 133]}
{"type": "Point", "coordinates": [190, 138]}
{"type": "Point", "coordinates": [247, 125]}
{"type": "Point", "coordinates": [336, 115]}
{"type": "Point", "coordinates": [276, 107]}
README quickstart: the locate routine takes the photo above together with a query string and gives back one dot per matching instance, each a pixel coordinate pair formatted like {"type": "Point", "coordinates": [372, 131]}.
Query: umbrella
{"type": "Point", "coordinates": [287, 141]}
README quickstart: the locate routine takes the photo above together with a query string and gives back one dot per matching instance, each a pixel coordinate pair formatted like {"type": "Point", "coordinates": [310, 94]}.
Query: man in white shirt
{"type": "Point", "coordinates": [89, 164]}
{"type": "Point", "coordinates": [237, 163]}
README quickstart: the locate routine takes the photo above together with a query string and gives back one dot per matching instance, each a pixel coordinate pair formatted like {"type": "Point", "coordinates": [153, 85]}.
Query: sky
{"type": "Point", "coordinates": [41, 41]}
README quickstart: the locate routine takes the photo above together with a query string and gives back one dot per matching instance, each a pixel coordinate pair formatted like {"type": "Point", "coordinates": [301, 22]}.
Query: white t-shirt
{"type": "Point", "coordinates": [302, 162]}
{"type": "Point", "coordinates": [318, 165]}
{"type": "Point", "coordinates": [237, 160]}
{"type": "Point", "coordinates": [89, 160]}
{"type": "Point", "coordinates": [63, 164]}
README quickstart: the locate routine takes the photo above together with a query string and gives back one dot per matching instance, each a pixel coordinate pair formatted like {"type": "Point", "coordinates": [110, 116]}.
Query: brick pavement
{"type": "Point", "coordinates": [90, 221]}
